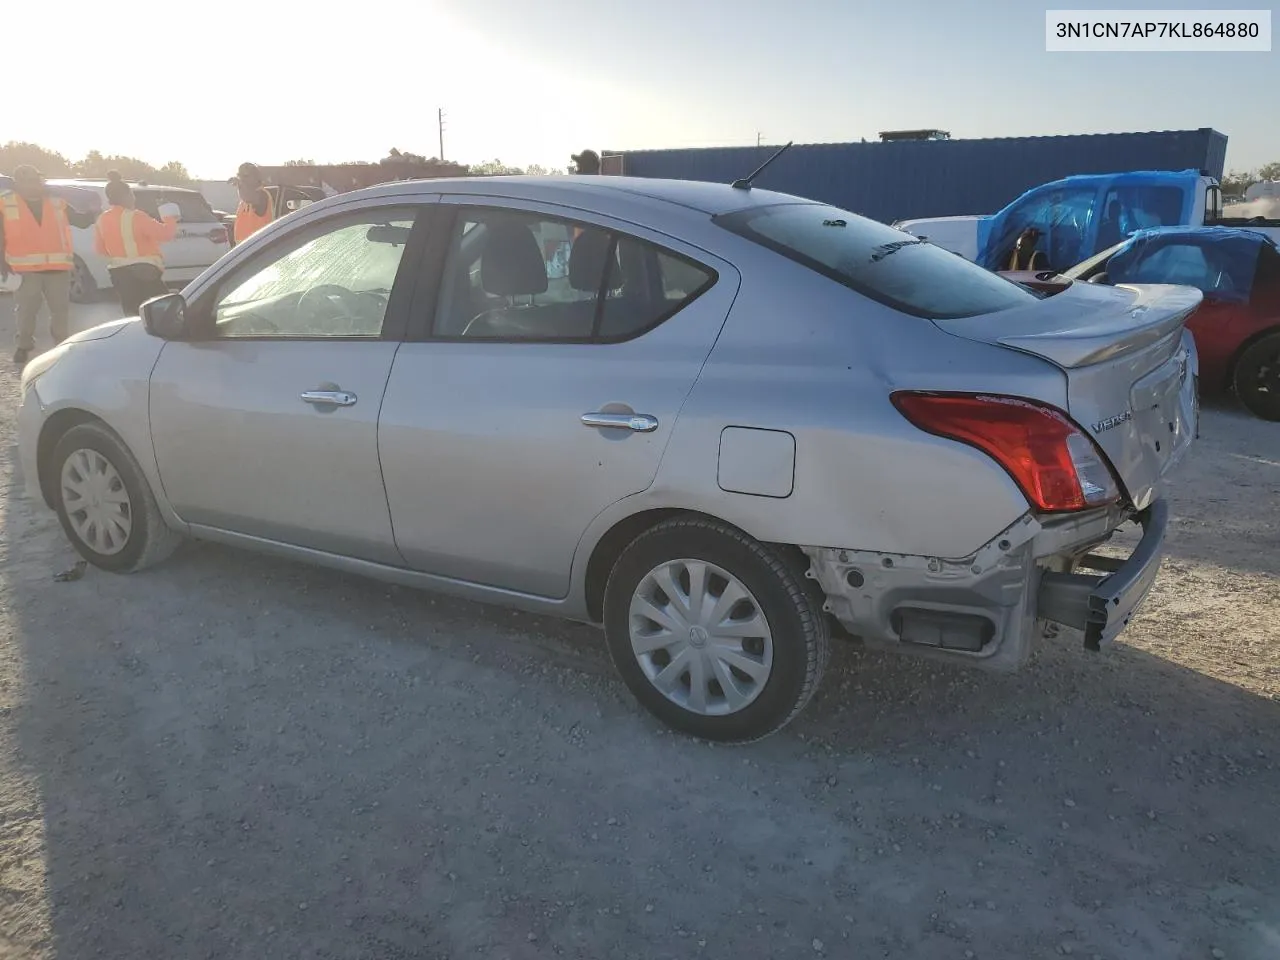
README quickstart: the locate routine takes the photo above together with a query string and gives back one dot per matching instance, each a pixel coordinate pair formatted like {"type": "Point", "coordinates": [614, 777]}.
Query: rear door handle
{"type": "Point", "coordinates": [637, 422]}
{"type": "Point", "coordinates": [329, 398]}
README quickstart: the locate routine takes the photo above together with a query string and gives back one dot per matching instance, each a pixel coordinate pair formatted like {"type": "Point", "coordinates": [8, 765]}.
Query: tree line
{"type": "Point", "coordinates": [93, 165]}
{"type": "Point", "coordinates": [1237, 182]}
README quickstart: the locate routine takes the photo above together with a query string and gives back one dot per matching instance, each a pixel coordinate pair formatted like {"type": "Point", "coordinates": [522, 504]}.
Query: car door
{"type": "Point", "coordinates": [267, 424]}
{"type": "Point", "coordinates": [561, 352]}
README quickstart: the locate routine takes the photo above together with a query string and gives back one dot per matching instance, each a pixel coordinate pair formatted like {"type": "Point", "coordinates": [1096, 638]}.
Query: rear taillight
{"type": "Point", "coordinates": [218, 234]}
{"type": "Point", "coordinates": [1057, 467]}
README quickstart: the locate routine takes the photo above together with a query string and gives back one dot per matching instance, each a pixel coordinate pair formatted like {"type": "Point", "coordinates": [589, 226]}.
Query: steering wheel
{"type": "Point", "coordinates": [249, 324]}
{"type": "Point", "coordinates": [328, 301]}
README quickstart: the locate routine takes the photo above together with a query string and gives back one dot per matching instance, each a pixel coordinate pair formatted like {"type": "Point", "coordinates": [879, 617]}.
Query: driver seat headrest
{"type": "Point", "coordinates": [512, 264]}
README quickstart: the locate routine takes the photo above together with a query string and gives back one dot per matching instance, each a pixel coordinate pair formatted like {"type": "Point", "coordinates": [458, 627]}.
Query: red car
{"type": "Point", "coordinates": [1236, 328]}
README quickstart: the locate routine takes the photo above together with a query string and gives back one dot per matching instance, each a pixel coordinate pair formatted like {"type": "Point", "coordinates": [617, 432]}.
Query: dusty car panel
{"type": "Point", "coordinates": [720, 422]}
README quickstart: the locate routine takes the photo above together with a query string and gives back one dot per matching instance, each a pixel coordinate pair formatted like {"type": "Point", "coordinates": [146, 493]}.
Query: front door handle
{"type": "Point", "coordinates": [329, 398]}
{"type": "Point", "coordinates": [638, 422]}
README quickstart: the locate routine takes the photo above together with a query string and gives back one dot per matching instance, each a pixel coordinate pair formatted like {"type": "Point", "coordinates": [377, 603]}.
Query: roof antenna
{"type": "Point", "coordinates": [745, 183]}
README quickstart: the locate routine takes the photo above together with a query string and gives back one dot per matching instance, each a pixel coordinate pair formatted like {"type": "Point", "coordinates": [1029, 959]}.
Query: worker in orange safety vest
{"type": "Point", "coordinates": [130, 240]}
{"type": "Point", "coordinates": [256, 208]}
{"type": "Point", "coordinates": [35, 243]}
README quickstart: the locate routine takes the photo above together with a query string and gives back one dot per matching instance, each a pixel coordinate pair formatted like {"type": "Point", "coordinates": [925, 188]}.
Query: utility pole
{"type": "Point", "coordinates": [440, 124]}
{"type": "Point", "coordinates": [758, 136]}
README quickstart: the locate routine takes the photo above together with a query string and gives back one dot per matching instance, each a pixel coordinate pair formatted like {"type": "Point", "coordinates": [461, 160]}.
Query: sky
{"type": "Point", "coordinates": [214, 83]}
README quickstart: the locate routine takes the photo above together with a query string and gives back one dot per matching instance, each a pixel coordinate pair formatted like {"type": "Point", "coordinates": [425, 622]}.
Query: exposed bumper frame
{"type": "Point", "coordinates": [1025, 582]}
{"type": "Point", "coordinates": [1102, 605]}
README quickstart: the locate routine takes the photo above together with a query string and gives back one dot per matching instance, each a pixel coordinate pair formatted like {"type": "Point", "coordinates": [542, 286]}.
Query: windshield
{"type": "Point", "coordinates": [887, 265]}
{"type": "Point", "coordinates": [1085, 267]}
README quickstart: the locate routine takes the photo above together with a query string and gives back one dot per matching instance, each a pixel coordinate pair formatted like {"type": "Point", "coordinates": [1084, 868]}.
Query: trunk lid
{"type": "Point", "coordinates": [1130, 366]}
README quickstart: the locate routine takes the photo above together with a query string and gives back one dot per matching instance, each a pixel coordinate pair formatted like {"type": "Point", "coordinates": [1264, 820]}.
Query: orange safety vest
{"type": "Point", "coordinates": [32, 247]}
{"type": "Point", "coordinates": [128, 236]}
{"type": "Point", "coordinates": [248, 222]}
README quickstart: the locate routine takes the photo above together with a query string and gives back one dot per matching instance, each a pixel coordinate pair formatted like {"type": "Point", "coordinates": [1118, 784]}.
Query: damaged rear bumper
{"type": "Point", "coordinates": [987, 608]}
{"type": "Point", "coordinates": [1101, 606]}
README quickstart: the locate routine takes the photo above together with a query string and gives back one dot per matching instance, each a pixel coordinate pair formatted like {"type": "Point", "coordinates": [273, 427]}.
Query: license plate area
{"type": "Point", "coordinates": [1164, 407]}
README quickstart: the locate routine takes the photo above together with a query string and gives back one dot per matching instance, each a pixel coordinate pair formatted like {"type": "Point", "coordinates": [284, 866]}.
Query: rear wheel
{"type": "Point", "coordinates": [715, 634]}
{"type": "Point", "coordinates": [1257, 377]}
{"type": "Point", "coordinates": [105, 504]}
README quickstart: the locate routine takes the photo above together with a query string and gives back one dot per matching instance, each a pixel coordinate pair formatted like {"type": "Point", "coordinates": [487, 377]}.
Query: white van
{"type": "Point", "coordinates": [201, 240]}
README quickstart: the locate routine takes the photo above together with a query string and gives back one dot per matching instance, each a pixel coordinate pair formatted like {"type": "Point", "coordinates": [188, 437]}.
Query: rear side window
{"type": "Point", "coordinates": [192, 207]}
{"type": "Point", "coordinates": [517, 276]}
{"type": "Point", "coordinates": [879, 262]}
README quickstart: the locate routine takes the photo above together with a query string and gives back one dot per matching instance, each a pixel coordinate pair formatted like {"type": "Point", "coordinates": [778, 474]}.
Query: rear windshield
{"type": "Point", "coordinates": [192, 207]}
{"type": "Point", "coordinates": [887, 265]}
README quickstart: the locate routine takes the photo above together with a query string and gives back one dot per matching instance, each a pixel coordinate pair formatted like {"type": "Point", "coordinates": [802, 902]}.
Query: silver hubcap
{"type": "Point", "coordinates": [700, 637]}
{"type": "Point", "coordinates": [96, 501]}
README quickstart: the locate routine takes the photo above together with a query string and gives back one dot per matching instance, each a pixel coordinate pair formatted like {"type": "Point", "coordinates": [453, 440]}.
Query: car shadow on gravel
{"type": "Point", "coordinates": [238, 756]}
{"type": "Point", "coordinates": [1224, 496]}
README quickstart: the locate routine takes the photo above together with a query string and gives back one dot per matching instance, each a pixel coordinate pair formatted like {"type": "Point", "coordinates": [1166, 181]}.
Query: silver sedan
{"type": "Point", "coordinates": [723, 423]}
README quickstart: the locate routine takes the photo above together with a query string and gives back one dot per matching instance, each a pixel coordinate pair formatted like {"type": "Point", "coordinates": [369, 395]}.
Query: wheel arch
{"type": "Point", "coordinates": [1256, 337]}
{"type": "Point", "coordinates": [53, 430]}
{"type": "Point", "coordinates": [607, 550]}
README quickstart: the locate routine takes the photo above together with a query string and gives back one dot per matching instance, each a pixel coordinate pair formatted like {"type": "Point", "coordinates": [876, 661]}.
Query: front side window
{"type": "Point", "coordinates": [887, 265]}
{"type": "Point", "coordinates": [334, 283]}
{"type": "Point", "coordinates": [511, 275]}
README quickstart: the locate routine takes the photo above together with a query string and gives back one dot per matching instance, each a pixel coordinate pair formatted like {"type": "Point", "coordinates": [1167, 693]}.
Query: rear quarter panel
{"type": "Point", "coordinates": [802, 354]}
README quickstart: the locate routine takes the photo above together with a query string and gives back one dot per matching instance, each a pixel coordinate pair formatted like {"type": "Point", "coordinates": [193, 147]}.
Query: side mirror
{"type": "Point", "coordinates": [166, 317]}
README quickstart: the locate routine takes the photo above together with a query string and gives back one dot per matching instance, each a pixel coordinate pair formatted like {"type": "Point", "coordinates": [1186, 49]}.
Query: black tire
{"type": "Point", "coordinates": [1256, 377]}
{"type": "Point", "coordinates": [83, 287]}
{"type": "Point", "coordinates": [149, 539]}
{"type": "Point", "coordinates": [791, 605]}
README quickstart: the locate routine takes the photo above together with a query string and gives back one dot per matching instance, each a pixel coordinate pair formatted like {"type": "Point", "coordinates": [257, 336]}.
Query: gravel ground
{"type": "Point", "coordinates": [232, 756]}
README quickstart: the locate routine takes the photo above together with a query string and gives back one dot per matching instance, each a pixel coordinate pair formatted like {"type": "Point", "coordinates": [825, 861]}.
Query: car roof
{"type": "Point", "coordinates": [713, 199]}
{"type": "Point", "coordinates": [1203, 233]}
{"type": "Point", "coordinates": [102, 185]}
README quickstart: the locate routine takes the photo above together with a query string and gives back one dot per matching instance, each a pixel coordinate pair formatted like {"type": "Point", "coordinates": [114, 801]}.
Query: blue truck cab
{"type": "Point", "coordinates": [1081, 215]}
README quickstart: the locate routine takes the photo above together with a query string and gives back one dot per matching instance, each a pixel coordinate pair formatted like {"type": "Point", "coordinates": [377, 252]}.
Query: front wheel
{"type": "Point", "coordinates": [106, 507]}
{"type": "Point", "coordinates": [1257, 377]}
{"type": "Point", "coordinates": [714, 633]}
